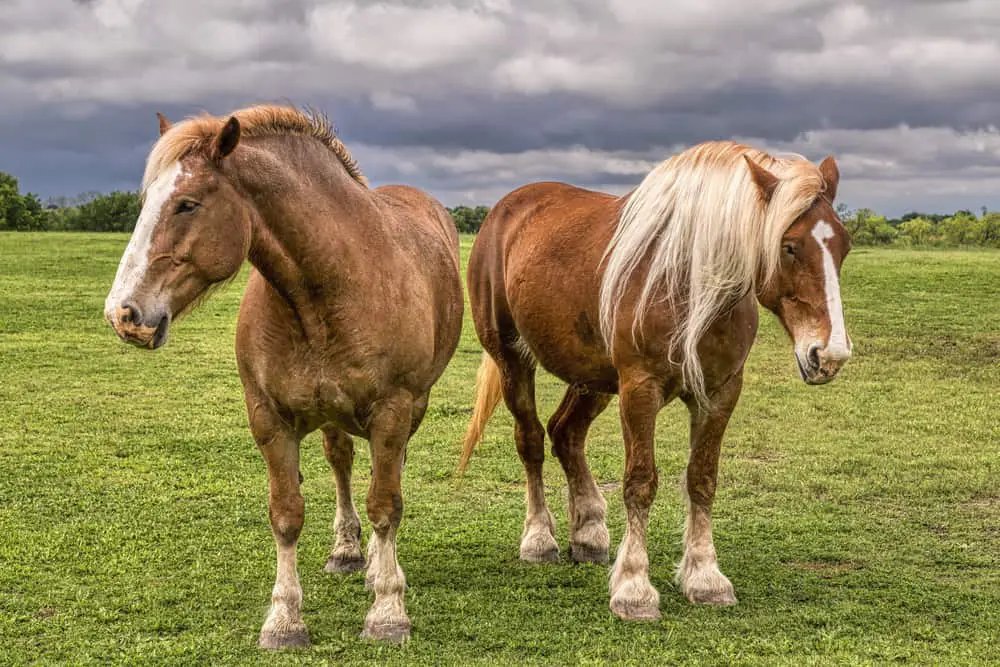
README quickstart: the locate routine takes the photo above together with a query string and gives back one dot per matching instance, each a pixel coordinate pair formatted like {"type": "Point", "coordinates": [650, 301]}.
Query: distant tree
{"type": "Point", "coordinates": [963, 228]}
{"type": "Point", "coordinates": [114, 212]}
{"type": "Point", "coordinates": [916, 230]}
{"type": "Point", "coordinates": [990, 230]}
{"type": "Point", "coordinates": [19, 212]}
{"type": "Point", "coordinates": [469, 220]}
{"type": "Point", "coordinates": [868, 228]}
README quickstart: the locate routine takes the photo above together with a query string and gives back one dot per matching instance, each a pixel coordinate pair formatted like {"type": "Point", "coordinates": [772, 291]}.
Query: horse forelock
{"type": "Point", "coordinates": [195, 134]}
{"type": "Point", "coordinates": [700, 222]}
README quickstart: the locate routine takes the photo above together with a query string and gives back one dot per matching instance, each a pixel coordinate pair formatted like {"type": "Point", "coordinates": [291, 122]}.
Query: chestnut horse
{"type": "Point", "coordinates": [652, 296]}
{"type": "Point", "coordinates": [350, 316]}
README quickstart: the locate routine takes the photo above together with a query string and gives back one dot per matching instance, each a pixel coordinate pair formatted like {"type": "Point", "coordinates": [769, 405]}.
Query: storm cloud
{"type": "Point", "coordinates": [471, 98]}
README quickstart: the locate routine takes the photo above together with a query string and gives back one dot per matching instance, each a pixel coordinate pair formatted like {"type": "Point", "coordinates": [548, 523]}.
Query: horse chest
{"type": "Point", "coordinates": [318, 397]}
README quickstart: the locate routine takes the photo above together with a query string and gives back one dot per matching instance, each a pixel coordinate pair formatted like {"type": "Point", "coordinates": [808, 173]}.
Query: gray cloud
{"type": "Point", "coordinates": [470, 98]}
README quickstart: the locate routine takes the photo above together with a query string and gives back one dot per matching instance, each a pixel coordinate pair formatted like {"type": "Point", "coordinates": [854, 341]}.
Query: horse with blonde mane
{"type": "Point", "coordinates": [351, 314]}
{"type": "Point", "coordinates": [652, 296]}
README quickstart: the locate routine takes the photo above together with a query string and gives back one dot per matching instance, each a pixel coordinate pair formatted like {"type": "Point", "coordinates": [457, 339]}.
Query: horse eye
{"type": "Point", "coordinates": [789, 249]}
{"type": "Point", "coordinates": [187, 206]}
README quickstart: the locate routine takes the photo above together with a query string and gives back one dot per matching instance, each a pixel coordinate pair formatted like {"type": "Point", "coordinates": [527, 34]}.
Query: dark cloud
{"type": "Point", "coordinates": [470, 98]}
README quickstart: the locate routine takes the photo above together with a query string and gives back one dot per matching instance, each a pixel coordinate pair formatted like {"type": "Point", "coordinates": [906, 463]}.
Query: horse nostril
{"type": "Point", "coordinates": [128, 313]}
{"type": "Point", "coordinates": [813, 356]}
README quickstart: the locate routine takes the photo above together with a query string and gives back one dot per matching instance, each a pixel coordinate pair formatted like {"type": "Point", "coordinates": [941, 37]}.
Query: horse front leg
{"type": "Point", "coordinates": [389, 431]}
{"type": "Point", "coordinates": [698, 574]}
{"type": "Point", "coordinates": [633, 597]}
{"type": "Point", "coordinates": [279, 444]}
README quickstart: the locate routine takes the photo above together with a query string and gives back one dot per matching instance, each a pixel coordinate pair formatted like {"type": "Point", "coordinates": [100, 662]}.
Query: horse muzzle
{"type": "Point", "coordinates": [819, 364]}
{"type": "Point", "coordinates": [142, 329]}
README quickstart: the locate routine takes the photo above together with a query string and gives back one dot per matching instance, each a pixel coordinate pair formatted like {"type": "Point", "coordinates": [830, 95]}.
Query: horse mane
{"type": "Point", "coordinates": [708, 235]}
{"type": "Point", "coordinates": [262, 120]}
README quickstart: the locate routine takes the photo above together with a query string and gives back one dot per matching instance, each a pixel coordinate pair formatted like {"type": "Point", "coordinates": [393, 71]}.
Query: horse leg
{"type": "Point", "coordinates": [538, 539]}
{"type": "Point", "coordinates": [279, 444]}
{"type": "Point", "coordinates": [588, 533]}
{"type": "Point", "coordinates": [390, 427]}
{"type": "Point", "coordinates": [698, 573]}
{"type": "Point", "coordinates": [419, 410]}
{"type": "Point", "coordinates": [633, 597]}
{"type": "Point", "coordinates": [346, 556]}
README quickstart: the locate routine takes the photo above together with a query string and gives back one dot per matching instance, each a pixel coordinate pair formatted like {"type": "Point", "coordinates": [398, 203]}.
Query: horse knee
{"type": "Point", "coordinates": [530, 441]}
{"type": "Point", "coordinates": [287, 514]}
{"type": "Point", "coordinates": [385, 510]}
{"type": "Point", "coordinates": [640, 488]}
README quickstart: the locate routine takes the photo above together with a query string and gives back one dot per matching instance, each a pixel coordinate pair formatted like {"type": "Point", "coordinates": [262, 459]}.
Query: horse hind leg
{"type": "Point", "coordinates": [346, 556]}
{"type": "Point", "coordinates": [588, 532]}
{"type": "Point", "coordinates": [517, 370]}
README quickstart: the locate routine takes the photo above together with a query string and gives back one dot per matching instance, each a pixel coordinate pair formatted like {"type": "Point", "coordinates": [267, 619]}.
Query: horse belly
{"type": "Point", "coordinates": [564, 336]}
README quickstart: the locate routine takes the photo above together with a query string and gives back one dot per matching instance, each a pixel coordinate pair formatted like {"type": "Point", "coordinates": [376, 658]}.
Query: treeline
{"type": "Point", "coordinates": [118, 212]}
{"type": "Point", "coordinates": [961, 228]}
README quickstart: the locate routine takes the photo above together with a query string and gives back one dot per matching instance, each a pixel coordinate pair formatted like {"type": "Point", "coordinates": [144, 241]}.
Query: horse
{"type": "Point", "coordinates": [652, 296]}
{"type": "Point", "coordinates": [352, 310]}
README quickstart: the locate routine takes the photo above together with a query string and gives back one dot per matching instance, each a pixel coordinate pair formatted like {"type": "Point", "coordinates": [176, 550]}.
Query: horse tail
{"type": "Point", "coordinates": [488, 395]}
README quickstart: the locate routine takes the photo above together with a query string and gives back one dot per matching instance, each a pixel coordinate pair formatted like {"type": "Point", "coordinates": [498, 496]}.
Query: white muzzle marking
{"type": "Point", "coordinates": [838, 346]}
{"type": "Point", "coordinates": [135, 260]}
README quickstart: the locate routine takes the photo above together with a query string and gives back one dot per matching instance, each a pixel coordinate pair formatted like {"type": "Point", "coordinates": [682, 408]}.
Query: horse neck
{"type": "Point", "coordinates": [311, 225]}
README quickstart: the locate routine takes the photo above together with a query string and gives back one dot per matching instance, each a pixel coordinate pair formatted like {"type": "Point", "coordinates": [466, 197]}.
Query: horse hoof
{"type": "Point", "coordinates": [274, 641]}
{"type": "Point", "coordinates": [635, 612]}
{"type": "Point", "coordinates": [583, 553]}
{"type": "Point", "coordinates": [723, 598]}
{"type": "Point", "coordinates": [345, 564]}
{"type": "Point", "coordinates": [546, 556]}
{"type": "Point", "coordinates": [392, 633]}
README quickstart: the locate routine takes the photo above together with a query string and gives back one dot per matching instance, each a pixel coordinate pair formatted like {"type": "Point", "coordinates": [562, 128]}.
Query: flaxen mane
{"type": "Point", "coordinates": [257, 121]}
{"type": "Point", "coordinates": [701, 222]}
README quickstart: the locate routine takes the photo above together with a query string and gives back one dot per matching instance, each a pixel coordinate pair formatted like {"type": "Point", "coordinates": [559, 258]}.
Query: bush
{"type": "Point", "coordinates": [868, 228]}
{"type": "Point", "coordinates": [916, 231]}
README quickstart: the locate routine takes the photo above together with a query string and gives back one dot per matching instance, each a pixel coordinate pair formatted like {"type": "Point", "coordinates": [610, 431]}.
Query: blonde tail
{"type": "Point", "coordinates": [488, 395]}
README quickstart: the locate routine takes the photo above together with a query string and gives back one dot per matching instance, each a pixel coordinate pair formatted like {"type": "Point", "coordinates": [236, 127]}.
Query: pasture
{"type": "Point", "coordinates": [858, 521]}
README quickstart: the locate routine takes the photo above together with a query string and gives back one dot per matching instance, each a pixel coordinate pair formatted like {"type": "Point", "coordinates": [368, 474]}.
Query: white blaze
{"type": "Point", "coordinates": [135, 260]}
{"type": "Point", "coordinates": [837, 345]}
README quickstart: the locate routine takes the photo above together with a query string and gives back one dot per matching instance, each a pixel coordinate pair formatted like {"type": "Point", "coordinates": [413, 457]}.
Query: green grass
{"type": "Point", "coordinates": [859, 522]}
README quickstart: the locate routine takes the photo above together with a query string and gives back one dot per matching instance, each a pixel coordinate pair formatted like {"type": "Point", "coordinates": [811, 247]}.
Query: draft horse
{"type": "Point", "coordinates": [652, 296]}
{"type": "Point", "coordinates": [352, 312]}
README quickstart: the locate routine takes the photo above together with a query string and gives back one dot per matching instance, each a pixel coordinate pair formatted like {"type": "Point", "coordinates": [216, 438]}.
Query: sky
{"type": "Point", "coordinates": [469, 99]}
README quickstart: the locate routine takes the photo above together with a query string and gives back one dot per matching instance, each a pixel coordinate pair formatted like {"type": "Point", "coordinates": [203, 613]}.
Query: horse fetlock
{"type": "Point", "coordinates": [701, 582]}
{"type": "Point", "coordinates": [283, 628]}
{"type": "Point", "coordinates": [633, 597]}
{"type": "Point", "coordinates": [387, 620]}
{"type": "Point", "coordinates": [590, 543]}
{"type": "Point", "coordinates": [538, 542]}
{"type": "Point", "coordinates": [345, 559]}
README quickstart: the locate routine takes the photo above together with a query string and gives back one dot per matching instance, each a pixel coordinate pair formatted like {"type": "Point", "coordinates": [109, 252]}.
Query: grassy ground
{"type": "Point", "coordinates": [859, 522]}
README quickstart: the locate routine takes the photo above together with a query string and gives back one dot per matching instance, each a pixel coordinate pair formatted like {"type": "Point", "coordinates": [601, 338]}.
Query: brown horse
{"type": "Point", "coordinates": [652, 296]}
{"type": "Point", "coordinates": [351, 315]}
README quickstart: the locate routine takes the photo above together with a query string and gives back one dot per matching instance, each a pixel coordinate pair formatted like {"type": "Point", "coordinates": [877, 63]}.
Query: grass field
{"type": "Point", "coordinates": [859, 521]}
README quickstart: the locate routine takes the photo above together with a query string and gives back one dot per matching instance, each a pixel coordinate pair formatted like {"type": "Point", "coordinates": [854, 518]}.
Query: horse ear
{"type": "Point", "coordinates": [227, 140]}
{"type": "Point", "coordinates": [831, 174]}
{"type": "Point", "coordinates": [164, 123]}
{"type": "Point", "coordinates": [766, 181]}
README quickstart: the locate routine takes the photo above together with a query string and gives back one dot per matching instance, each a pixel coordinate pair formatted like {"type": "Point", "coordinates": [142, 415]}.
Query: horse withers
{"type": "Point", "coordinates": [351, 314]}
{"type": "Point", "coordinates": [652, 296]}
